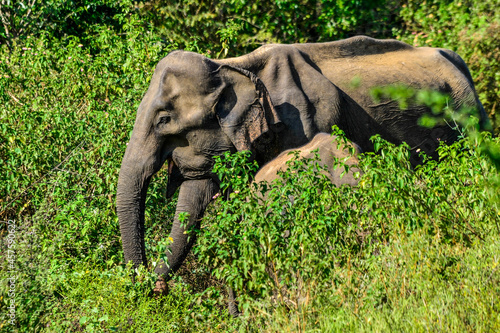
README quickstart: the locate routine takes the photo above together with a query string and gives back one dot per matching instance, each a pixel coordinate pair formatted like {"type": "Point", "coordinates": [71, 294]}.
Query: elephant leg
{"type": "Point", "coordinates": [194, 197]}
{"type": "Point", "coordinates": [161, 287]}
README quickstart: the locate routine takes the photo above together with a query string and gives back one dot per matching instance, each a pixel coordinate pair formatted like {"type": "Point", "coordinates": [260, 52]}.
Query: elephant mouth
{"type": "Point", "coordinates": [175, 178]}
{"type": "Point", "coordinates": [195, 160]}
{"type": "Point", "coordinates": [179, 172]}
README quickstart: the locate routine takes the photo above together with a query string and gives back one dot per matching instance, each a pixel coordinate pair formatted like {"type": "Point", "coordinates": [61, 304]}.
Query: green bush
{"type": "Point", "coordinates": [68, 110]}
{"type": "Point", "coordinates": [296, 246]}
{"type": "Point", "coordinates": [195, 25]}
{"type": "Point", "coordinates": [59, 18]}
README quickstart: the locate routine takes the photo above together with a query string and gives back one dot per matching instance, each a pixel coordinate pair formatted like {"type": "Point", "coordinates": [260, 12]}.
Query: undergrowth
{"type": "Point", "coordinates": [395, 250]}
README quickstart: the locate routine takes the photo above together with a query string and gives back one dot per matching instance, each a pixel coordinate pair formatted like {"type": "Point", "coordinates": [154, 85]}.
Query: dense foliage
{"type": "Point", "coordinates": [314, 244]}
{"type": "Point", "coordinates": [407, 246]}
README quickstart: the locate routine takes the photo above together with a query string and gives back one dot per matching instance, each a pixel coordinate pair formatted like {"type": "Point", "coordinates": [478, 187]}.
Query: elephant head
{"type": "Point", "coordinates": [193, 110]}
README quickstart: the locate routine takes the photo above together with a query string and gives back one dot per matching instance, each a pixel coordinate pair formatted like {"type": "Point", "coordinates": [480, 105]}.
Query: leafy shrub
{"type": "Point", "coordinates": [68, 110]}
{"type": "Point", "coordinates": [299, 241]}
{"type": "Point", "coordinates": [197, 23]}
{"type": "Point", "coordinates": [58, 18]}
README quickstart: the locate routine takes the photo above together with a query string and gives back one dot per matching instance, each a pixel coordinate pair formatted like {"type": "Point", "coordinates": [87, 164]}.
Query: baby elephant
{"type": "Point", "coordinates": [327, 150]}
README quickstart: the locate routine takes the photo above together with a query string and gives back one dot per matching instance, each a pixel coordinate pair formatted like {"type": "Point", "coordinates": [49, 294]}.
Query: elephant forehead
{"type": "Point", "coordinates": [174, 81]}
{"type": "Point", "coordinates": [188, 65]}
{"type": "Point", "coordinates": [186, 84]}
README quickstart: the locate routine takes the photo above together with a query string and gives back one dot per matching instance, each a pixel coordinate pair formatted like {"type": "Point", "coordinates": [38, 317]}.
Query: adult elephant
{"type": "Point", "coordinates": [275, 98]}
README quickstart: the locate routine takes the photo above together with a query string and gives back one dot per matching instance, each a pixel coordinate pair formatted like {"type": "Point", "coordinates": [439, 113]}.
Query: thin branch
{"type": "Point", "coordinates": [245, 20]}
{"type": "Point", "coordinates": [14, 98]}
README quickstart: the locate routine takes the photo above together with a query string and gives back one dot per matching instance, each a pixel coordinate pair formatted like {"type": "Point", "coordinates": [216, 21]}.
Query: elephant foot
{"type": "Point", "coordinates": [161, 288]}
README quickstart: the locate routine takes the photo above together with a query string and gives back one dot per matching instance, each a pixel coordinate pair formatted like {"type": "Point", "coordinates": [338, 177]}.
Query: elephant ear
{"type": "Point", "coordinates": [244, 108]}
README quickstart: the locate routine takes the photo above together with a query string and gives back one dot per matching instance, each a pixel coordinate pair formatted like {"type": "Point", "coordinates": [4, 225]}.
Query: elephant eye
{"type": "Point", "coordinates": [164, 120]}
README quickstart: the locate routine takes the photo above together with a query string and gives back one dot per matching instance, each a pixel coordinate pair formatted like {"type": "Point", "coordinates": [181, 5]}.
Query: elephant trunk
{"type": "Point", "coordinates": [133, 181]}
{"type": "Point", "coordinates": [130, 204]}
{"type": "Point", "coordinates": [194, 197]}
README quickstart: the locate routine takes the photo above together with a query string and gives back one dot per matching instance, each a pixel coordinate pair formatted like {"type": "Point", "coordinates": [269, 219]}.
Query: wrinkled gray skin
{"type": "Point", "coordinates": [328, 152]}
{"type": "Point", "coordinates": [275, 98]}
